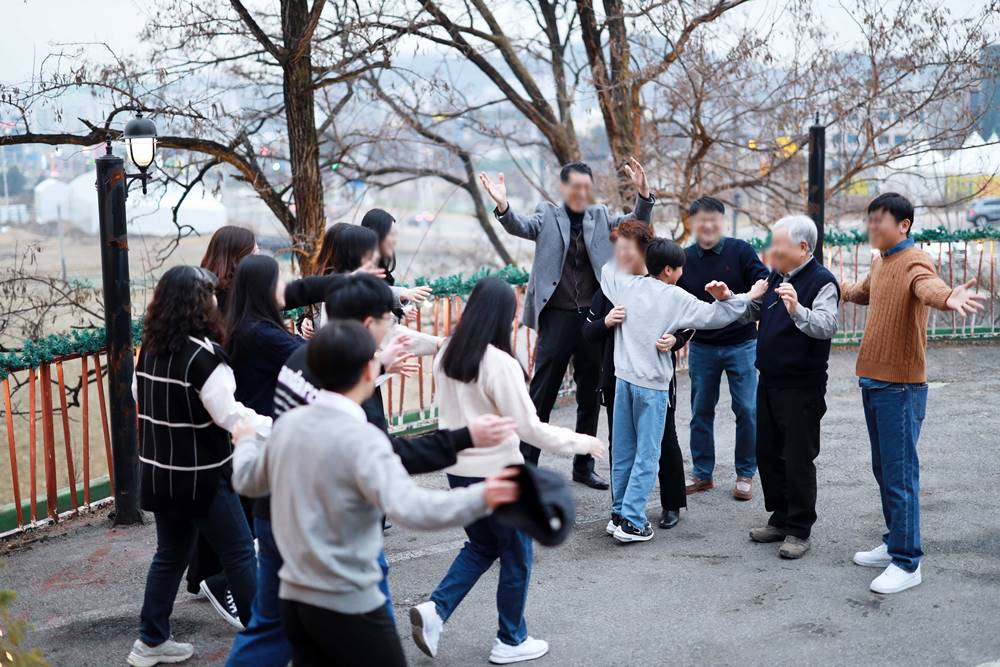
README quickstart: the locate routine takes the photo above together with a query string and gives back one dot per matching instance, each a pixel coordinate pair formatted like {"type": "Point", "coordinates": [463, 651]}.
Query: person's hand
{"type": "Point", "coordinates": [370, 267]}
{"type": "Point", "coordinates": [595, 447]}
{"type": "Point", "coordinates": [490, 430]}
{"type": "Point", "coordinates": [719, 290]}
{"type": "Point", "coordinates": [788, 294]}
{"type": "Point", "coordinates": [410, 314]}
{"type": "Point", "coordinates": [758, 290]}
{"type": "Point", "coordinates": [964, 301]}
{"type": "Point", "coordinates": [615, 317]}
{"type": "Point", "coordinates": [635, 171]}
{"type": "Point", "coordinates": [666, 342]}
{"type": "Point", "coordinates": [501, 488]}
{"type": "Point", "coordinates": [399, 346]}
{"type": "Point", "coordinates": [497, 191]}
{"type": "Point", "coordinates": [307, 328]}
{"type": "Point", "coordinates": [417, 294]}
{"type": "Point", "coordinates": [243, 429]}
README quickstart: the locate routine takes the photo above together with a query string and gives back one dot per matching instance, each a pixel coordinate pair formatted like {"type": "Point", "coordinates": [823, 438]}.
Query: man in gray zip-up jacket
{"type": "Point", "coordinates": [328, 496]}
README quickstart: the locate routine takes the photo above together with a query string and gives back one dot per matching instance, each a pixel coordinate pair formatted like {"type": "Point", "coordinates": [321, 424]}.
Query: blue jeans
{"type": "Point", "coordinates": [705, 366]}
{"type": "Point", "coordinates": [895, 413]}
{"type": "Point", "coordinates": [225, 528]}
{"type": "Point", "coordinates": [640, 417]}
{"type": "Point", "coordinates": [489, 540]}
{"type": "Point", "coordinates": [263, 642]}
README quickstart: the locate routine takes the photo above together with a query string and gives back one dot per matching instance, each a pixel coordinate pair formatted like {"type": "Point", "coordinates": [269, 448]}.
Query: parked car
{"type": "Point", "coordinates": [983, 211]}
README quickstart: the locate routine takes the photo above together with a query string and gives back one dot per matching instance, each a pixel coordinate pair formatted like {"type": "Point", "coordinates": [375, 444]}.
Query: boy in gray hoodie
{"type": "Point", "coordinates": [327, 502]}
{"type": "Point", "coordinates": [654, 305]}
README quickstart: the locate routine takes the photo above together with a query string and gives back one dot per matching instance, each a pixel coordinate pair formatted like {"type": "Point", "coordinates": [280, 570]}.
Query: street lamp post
{"type": "Point", "coordinates": [112, 190]}
{"type": "Point", "coordinates": [817, 182]}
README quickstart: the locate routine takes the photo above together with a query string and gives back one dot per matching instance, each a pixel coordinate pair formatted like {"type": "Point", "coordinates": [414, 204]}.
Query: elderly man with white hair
{"type": "Point", "coordinates": [798, 317]}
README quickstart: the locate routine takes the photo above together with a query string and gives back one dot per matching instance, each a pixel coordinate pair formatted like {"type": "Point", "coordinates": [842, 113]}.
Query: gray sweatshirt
{"type": "Point", "coordinates": [332, 476]}
{"type": "Point", "coordinates": [653, 308]}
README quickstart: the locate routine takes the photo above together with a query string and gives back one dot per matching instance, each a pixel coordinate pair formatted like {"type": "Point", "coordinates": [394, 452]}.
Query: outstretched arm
{"type": "Point", "coordinates": [856, 292]}
{"type": "Point", "coordinates": [643, 200]}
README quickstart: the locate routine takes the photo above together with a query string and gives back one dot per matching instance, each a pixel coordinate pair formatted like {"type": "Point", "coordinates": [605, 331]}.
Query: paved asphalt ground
{"type": "Point", "coordinates": [698, 594]}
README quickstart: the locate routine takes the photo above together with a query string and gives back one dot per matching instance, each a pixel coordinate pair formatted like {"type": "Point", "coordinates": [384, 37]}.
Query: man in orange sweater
{"type": "Point", "coordinates": [900, 287]}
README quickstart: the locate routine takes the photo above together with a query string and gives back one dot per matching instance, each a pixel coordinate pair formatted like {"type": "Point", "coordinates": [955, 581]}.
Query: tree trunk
{"type": "Point", "coordinates": [303, 142]}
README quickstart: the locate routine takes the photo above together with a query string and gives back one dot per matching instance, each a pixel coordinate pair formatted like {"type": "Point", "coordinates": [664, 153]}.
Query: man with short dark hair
{"type": "Point", "coordinates": [572, 245]}
{"type": "Point", "coordinates": [730, 350]}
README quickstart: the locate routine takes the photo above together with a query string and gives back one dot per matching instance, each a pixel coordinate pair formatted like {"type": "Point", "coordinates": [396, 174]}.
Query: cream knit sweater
{"type": "Point", "coordinates": [499, 390]}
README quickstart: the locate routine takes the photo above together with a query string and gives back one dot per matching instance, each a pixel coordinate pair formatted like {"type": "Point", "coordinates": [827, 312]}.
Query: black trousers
{"type": "Point", "coordinates": [673, 494]}
{"type": "Point", "coordinates": [325, 638]}
{"type": "Point", "coordinates": [204, 563]}
{"type": "Point", "coordinates": [559, 341]}
{"type": "Point", "coordinates": [788, 420]}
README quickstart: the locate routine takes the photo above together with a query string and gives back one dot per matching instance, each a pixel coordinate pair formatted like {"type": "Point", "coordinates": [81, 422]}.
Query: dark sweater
{"type": "Point", "coordinates": [786, 357]}
{"type": "Point", "coordinates": [425, 453]}
{"type": "Point", "coordinates": [735, 263]}
{"type": "Point", "coordinates": [258, 350]}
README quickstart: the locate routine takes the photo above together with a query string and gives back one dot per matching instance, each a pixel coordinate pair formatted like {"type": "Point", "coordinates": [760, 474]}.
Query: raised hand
{"type": "Point", "coordinates": [370, 267]}
{"type": "Point", "coordinates": [758, 290]}
{"type": "Point", "coordinates": [635, 171]}
{"type": "Point", "coordinates": [964, 301]}
{"type": "Point", "coordinates": [405, 364]}
{"type": "Point", "coordinates": [719, 290]}
{"type": "Point", "coordinates": [788, 295]}
{"type": "Point", "coordinates": [666, 342]}
{"type": "Point", "coordinates": [615, 317]}
{"type": "Point", "coordinates": [501, 488]}
{"type": "Point", "coordinates": [307, 328]}
{"type": "Point", "coordinates": [490, 430]}
{"type": "Point", "coordinates": [399, 347]}
{"type": "Point", "coordinates": [497, 191]}
{"type": "Point", "coordinates": [416, 294]}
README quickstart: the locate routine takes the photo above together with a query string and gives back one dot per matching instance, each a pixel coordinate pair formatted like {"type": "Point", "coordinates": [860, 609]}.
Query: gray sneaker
{"type": "Point", "coordinates": [793, 547]}
{"type": "Point", "coordinates": [767, 534]}
{"type": "Point", "coordinates": [143, 655]}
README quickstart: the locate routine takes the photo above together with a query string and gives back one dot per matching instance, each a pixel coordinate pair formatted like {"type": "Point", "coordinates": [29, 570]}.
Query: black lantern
{"type": "Point", "coordinates": [140, 143]}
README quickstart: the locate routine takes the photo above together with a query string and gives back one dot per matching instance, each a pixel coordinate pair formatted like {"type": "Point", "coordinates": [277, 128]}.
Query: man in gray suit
{"type": "Point", "coordinates": [571, 246]}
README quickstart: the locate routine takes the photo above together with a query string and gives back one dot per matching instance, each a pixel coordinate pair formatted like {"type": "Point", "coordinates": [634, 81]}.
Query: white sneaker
{"type": "Point", "coordinates": [877, 557]}
{"type": "Point", "coordinates": [426, 627]}
{"type": "Point", "coordinates": [529, 649]}
{"type": "Point", "coordinates": [895, 580]}
{"type": "Point", "coordinates": [169, 651]}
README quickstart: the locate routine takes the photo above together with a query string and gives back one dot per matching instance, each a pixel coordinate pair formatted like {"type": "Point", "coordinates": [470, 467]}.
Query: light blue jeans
{"type": "Point", "coordinates": [640, 415]}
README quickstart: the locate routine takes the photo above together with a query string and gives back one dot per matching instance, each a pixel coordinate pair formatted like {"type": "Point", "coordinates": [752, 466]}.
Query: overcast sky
{"type": "Point", "coordinates": [34, 28]}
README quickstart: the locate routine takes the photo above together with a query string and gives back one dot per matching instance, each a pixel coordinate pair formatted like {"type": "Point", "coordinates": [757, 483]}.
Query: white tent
{"type": "Point", "coordinates": [51, 200]}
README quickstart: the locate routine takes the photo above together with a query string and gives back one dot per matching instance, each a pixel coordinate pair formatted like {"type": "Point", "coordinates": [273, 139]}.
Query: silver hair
{"type": "Point", "coordinates": [800, 228]}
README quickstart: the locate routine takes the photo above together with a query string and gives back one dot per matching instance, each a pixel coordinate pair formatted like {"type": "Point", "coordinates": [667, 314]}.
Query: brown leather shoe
{"type": "Point", "coordinates": [793, 547]}
{"type": "Point", "coordinates": [768, 533]}
{"type": "Point", "coordinates": [743, 489]}
{"type": "Point", "coordinates": [696, 484]}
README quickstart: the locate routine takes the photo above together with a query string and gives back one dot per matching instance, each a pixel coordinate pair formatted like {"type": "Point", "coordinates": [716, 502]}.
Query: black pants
{"type": "Point", "coordinates": [559, 341]}
{"type": "Point", "coordinates": [673, 495]}
{"type": "Point", "coordinates": [204, 563]}
{"type": "Point", "coordinates": [788, 420]}
{"type": "Point", "coordinates": [325, 638]}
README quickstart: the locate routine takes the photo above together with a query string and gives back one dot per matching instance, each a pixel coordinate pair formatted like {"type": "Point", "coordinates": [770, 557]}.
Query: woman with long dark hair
{"type": "Point", "coordinates": [477, 374]}
{"type": "Point", "coordinates": [185, 393]}
{"type": "Point", "coordinates": [228, 245]}
{"type": "Point", "coordinates": [383, 224]}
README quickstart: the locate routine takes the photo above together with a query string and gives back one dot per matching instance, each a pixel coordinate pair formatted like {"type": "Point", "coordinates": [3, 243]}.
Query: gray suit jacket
{"type": "Point", "coordinates": [549, 228]}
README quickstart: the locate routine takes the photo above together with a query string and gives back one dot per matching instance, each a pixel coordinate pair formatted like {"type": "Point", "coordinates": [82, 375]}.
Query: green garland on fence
{"type": "Point", "coordinates": [938, 234]}
{"type": "Point", "coordinates": [459, 285]}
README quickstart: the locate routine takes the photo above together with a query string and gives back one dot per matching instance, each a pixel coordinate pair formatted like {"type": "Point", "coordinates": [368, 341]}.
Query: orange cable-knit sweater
{"type": "Point", "coordinates": [898, 291]}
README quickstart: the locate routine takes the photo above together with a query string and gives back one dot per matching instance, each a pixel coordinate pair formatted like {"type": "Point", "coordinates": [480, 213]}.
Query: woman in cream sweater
{"type": "Point", "coordinates": [477, 374]}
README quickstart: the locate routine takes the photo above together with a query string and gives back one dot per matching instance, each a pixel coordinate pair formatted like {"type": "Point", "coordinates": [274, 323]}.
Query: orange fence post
{"type": "Point", "coordinates": [85, 408]}
{"type": "Point", "coordinates": [12, 450]}
{"type": "Point", "coordinates": [70, 468]}
{"type": "Point", "coordinates": [32, 452]}
{"type": "Point", "coordinates": [48, 442]}
{"type": "Point", "coordinates": [420, 363]}
{"type": "Point", "coordinates": [104, 418]}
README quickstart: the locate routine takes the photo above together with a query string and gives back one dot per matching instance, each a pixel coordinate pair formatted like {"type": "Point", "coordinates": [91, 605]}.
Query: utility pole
{"type": "Point", "coordinates": [111, 193]}
{"type": "Point", "coordinates": [817, 182]}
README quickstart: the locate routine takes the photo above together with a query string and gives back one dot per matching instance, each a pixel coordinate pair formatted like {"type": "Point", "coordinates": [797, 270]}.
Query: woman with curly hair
{"type": "Point", "coordinates": [185, 392]}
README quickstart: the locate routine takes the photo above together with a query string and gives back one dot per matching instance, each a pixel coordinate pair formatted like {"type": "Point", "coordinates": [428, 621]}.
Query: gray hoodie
{"type": "Point", "coordinates": [332, 476]}
{"type": "Point", "coordinates": [653, 308]}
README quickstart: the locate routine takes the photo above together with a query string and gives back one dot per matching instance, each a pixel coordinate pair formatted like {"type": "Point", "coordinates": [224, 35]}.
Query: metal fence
{"type": "Point", "coordinates": [58, 439]}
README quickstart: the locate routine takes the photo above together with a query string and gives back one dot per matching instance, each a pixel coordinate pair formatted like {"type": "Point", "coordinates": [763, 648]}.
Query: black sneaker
{"type": "Point", "coordinates": [613, 523]}
{"type": "Point", "coordinates": [215, 591]}
{"type": "Point", "coordinates": [628, 532]}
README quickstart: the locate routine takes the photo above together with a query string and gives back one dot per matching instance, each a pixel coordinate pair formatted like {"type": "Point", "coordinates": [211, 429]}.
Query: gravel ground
{"type": "Point", "coordinates": [700, 593]}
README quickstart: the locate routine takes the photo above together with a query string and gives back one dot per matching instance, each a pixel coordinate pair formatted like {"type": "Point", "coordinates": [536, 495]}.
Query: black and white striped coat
{"type": "Point", "coordinates": [186, 408]}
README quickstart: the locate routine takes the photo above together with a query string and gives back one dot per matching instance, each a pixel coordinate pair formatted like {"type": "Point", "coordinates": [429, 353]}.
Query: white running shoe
{"type": "Point", "coordinates": [426, 627]}
{"type": "Point", "coordinates": [529, 649]}
{"type": "Point", "coordinates": [896, 580]}
{"type": "Point", "coordinates": [877, 557]}
{"type": "Point", "coordinates": [143, 655]}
